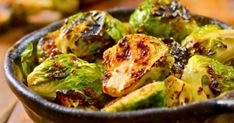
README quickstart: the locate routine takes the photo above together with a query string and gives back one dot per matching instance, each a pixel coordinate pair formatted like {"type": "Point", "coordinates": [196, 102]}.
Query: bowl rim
{"type": "Point", "coordinates": [19, 88]}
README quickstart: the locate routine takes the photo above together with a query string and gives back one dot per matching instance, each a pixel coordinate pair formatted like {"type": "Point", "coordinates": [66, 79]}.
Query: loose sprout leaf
{"type": "Point", "coordinates": [18, 71]}
{"type": "Point", "coordinates": [28, 59]}
{"type": "Point", "coordinates": [116, 29]}
{"type": "Point", "coordinates": [163, 18]}
{"type": "Point", "coordinates": [134, 61]}
{"type": "Point", "coordinates": [66, 72]}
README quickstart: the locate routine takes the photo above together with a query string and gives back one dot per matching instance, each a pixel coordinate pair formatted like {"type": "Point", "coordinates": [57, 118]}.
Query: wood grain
{"type": "Point", "coordinates": [19, 115]}
{"type": "Point", "coordinates": [221, 9]}
{"type": "Point", "coordinates": [7, 98]}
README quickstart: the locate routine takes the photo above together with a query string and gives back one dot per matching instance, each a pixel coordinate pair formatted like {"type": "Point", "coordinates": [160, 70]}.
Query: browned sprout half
{"type": "Point", "coordinates": [135, 60]}
{"type": "Point", "coordinates": [69, 81]}
{"type": "Point", "coordinates": [85, 34]}
{"type": "Point", "coordinates": [169, 93]}
{"type": "Point", "coordinates": [150, 95]}
{"type": "Point", "coordinates": [208, 77]}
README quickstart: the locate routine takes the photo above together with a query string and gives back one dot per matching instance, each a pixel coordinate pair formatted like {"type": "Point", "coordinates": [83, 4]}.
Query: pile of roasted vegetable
{"type": "Point", "coordinates": [161, 58]}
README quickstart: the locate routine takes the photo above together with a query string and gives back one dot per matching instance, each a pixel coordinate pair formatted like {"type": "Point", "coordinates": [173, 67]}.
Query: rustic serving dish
{"type": "Point", "coordinates": [41, 110]}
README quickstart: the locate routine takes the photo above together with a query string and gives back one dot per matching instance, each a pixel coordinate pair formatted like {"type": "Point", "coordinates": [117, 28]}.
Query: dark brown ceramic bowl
{"type": "Point", "coordinates": [41, 110]}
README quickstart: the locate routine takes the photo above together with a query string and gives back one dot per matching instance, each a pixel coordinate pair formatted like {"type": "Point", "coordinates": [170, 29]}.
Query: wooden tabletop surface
{"type": "Point", "coordinates": [11, 110]}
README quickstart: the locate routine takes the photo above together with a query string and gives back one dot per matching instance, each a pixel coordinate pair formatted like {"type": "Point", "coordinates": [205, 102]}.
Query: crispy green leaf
{"type": "Point", "coordinates": [66, 72]}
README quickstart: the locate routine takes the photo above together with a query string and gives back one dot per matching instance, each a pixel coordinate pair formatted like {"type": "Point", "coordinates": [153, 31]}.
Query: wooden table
{"type": "Point", "coordinates": [12, 110]}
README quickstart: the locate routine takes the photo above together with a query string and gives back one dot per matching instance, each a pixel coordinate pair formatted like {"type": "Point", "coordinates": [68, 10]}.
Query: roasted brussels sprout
{"type": "Point", "coordinates": [211, 41]}
{"type": "Point", "coordinates": [208, 77]}
{"type": "Point", "coordinates": [151, 95]}
{"type": "Point", "coordinates": [172, 92]}
{"type": "Point", "coordinates": [87, 34]}
{"type": "Point", "coordinates": [66, 77]}
{"type": "Point", "coordinates": [178, 92]}
{"type": "Point", "coordinates": [134, 61]}
{"type": "Point", "coordinates": [163, 18]}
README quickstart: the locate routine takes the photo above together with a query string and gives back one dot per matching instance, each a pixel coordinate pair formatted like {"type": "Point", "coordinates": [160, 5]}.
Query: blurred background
{"type": "Point", "coordinates": [19, 17]}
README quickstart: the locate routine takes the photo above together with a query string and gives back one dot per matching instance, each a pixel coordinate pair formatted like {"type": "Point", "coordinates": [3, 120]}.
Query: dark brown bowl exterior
{"type": "Point", "coordinates": [41, 110]}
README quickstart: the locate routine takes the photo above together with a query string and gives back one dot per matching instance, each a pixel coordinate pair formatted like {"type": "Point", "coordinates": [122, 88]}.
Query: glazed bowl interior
{"type": "Point", "coordinates": [38, 106]}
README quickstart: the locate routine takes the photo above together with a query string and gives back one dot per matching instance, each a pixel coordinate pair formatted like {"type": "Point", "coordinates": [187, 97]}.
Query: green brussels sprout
{"type": "Point", "coordinates": [134, 61]}
{"type": "Point", "coordinates": [172, 92]}
{"type": "Point", "coordinates": [211, 41]}
{"type": "Point", "coordinates": [151, 95]}
{"type": "Point", "coordinates": [208, 77]}
{"type": "Point", "coordinates": [88, 34]}
{"type": "Point", "coordinates": [163, 18]}
{"type": "Point", "coordinates": [66, 77]}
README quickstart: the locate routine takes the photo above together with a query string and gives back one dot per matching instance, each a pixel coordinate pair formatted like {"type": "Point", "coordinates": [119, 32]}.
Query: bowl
{"type": "Point", "coordinates": [41, 110]}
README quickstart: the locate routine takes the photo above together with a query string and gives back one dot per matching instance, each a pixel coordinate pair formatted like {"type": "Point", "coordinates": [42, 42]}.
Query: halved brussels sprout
{"type": "Point", "coordinates": [208, 77]}
{"type": "Point", "coordinates": [135, 60]}
{"type": "Point", "coordinates": [172, 92]}
{"type": "Point", "coordinates": [211, 41]}
{"type": "Point", "coordinates": [66, 74]}
{"type": "Point", "coordinates": [88, 34]}
{"type": "Point", "coordinates": [151, 95]}
{"type": "Point", "coordinates": [163, 18]}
